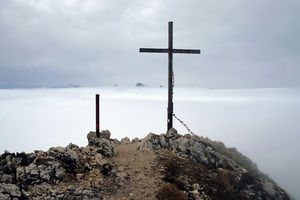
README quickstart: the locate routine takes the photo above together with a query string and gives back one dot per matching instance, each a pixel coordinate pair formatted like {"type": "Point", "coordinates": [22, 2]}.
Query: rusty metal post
{"type": "Point", "coordinates": [170, 78]}
{"type": "Point", "coordinates": [97, 116]}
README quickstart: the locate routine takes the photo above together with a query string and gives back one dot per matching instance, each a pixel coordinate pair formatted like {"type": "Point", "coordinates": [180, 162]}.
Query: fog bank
{"type": "Point", "coordinates": [263, 124]}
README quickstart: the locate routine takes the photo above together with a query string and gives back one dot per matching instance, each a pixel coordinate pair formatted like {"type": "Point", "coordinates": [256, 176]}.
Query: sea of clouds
{"type": "Point", "coordinates": [263, 124]}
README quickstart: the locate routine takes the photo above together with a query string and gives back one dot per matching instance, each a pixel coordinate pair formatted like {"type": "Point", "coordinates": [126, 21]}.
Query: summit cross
{"type": "Point", "coordinates": [170, 52]}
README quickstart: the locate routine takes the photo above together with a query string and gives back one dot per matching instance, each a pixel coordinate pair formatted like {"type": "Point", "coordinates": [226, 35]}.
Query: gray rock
{"type": "Point", "coordinates": [32, 174]}
{"type": "Point", "coordinates": [25, 193]}
{"type": "Point", "coordinates": [183, 145]}
{"type": "Point", "coordinates": [103, 162]}
{"type": "Point", "coordinates": [80, 194]}
{"type": "Point", "coordinates": [136, 140]}
{"type": "Point", "coordinates": [49, 168]}
{"type": "Point", "coordinates": [97, 159]}
{"type": "Point", "coordinates": [60, 173]}
{"type": "Point", "coordinates": [104, 146]}
{"type": "Point", "coordinates": [6, 178]}
{"type": "Point", "coordinates": [105, 134]}
{"type": "Point", "coordinates": [172, 133]}
{"type": "Point", "coordinates": [125, 140]}
{"type": "Point", "coordinates": [8, 166]}
{"type": "Point", "coordinates": [72, 154]}
{"type": "Point", "coordinates": [121, 177]}
{"type": "Point", "coordinates": [46, 172]}
{"type": "Point", "coordinates": [164, 142]}
{"type": "Point", "coordinates": [10, 189]}
{"type": "Point", "coordinates": [66, 156]}
{"type": "Point", "coordinates": [105, 167]}
{"type": "Point", "coordinates": [269, 187]}
{"type": "Point", "coordinates": [115, 142]}
{"type": "Point", "coordinates": [73, 147]}
{"type": "Point", "coordinates": [197, 150]}
{"type": "Point", "coordinates": [4, 196]}
{"type": "Point", "coordinates": [151, 141]}
{"type": "Point", "coordinates": [79, 176]}
{"type": "Point", "coordinates": [20, 174]}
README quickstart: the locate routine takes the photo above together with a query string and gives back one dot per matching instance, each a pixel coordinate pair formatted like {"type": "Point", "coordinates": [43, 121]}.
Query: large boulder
{"type": "Point", "coordinates": [104, 145]}
{"type": "Point", "coordinates": [125, 140]}
{"type": "Point", "coordinates": [66, 156]}
{"type": "Point", "coordinates": [152, 141]}
{"type": "Point", "coordinates": [105, 134]}
{"type": "Point", "coordinates": [172, 133]}
{"type": "Point", "coordinates": [188, 145]}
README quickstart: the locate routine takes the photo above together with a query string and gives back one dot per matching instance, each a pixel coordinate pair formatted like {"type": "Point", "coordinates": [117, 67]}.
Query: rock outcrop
{"type": "Point", "coordinates": [208, 170]}
{"type": "Point", "coordinates": [104, 144]}
{"type": "Point", "coordinates": [165, 166]}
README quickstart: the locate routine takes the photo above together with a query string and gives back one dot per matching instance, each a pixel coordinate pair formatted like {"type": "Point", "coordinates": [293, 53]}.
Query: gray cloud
{"type": "Point", "coordinates": [244, 43]}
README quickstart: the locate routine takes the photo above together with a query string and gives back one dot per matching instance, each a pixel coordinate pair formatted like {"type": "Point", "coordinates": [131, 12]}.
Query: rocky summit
{"type": "Point", "coordinates": [165, 166]}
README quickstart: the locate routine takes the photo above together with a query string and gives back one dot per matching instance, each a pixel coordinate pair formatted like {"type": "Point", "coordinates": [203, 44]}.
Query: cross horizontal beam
{"type": "Point", "coordinates": [188, 51]}
{"type": "Point", "coordinates": [148, 50]}
{"type": "Point", "coordinates": [158, 50]}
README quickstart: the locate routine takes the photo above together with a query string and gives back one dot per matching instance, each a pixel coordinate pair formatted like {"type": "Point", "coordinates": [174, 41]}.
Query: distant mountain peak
{"type": "Point", "coordinates": [139, 85]}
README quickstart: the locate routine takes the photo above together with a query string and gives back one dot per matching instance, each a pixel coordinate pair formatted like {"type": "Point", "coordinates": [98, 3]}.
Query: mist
{"type": "Point", "coordinates": [263, 124]}
{"type": "Point", "coordinates": [96, 43]}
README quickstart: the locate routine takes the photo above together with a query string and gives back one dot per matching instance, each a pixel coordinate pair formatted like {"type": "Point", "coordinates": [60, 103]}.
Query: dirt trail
{"type": "Point", "coordinates": [143, 177]}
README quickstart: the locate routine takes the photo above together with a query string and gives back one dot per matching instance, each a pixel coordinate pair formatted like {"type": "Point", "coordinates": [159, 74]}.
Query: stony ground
{"type": "Point", "coordinates": [141, 170]}
{"type": "Point", "coordinates": [164, 167]}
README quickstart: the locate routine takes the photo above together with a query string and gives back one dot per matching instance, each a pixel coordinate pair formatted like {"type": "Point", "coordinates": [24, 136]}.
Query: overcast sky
{"type": "Point", "coordinates": [244, 43]}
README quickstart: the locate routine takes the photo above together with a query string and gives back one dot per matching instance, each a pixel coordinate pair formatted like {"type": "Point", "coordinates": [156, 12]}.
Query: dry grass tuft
{"type": "Point", "coordinates": [170, 192]}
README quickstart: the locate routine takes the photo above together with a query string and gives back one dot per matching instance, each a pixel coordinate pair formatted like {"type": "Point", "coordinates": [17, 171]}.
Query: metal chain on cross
{"type": "Point", "coordinates": [184, 124]}
{"type": "Point", "coordinates": [173, 80]}
{"type": "Point", "coordinates": [187, 128]}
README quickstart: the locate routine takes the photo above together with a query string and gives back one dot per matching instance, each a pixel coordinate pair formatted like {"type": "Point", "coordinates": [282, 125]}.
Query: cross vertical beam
{"type": "Point", "coordinates": [170, 52]}
{"type": "Point", "coordinates": [170, 77]}
{"type": "Point", "coordinates": [97, 116]}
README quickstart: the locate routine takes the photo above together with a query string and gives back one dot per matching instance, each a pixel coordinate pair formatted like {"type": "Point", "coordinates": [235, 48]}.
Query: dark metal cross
{"type": "Point", "coordinates": [170, 52]}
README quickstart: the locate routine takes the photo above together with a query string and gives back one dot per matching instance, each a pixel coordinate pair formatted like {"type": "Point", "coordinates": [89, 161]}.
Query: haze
{"type": "Point", "coordinates": [95, 43]}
